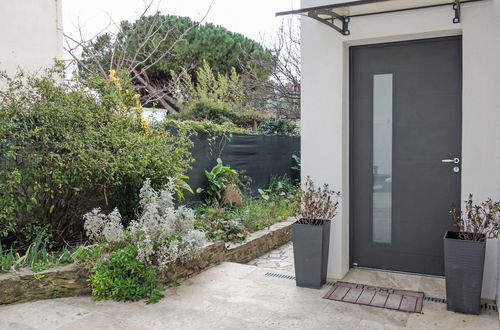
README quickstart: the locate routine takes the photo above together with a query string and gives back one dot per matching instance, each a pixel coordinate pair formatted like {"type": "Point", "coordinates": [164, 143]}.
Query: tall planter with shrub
{"type": "Point", "coordinates": [464, 252]}
{"type": "Point", "coordinates": [311, 234]}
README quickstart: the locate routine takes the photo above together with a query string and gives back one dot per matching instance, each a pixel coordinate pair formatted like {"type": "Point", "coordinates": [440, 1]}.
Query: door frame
{"type": "Point", "coordinates": [350, 96]}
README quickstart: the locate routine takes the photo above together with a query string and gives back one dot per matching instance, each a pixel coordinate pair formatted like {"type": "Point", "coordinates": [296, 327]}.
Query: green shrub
{"type": "Point", "coordinates": [282, 185]}
{"type": "Point", "coordinates": [219, 226]}
{"type": "Point", "coordinates": [216, 97]}
{"type": "Point", "coordinates": [65, 257]}
{"type": "Point", "coordinates": [218, 177]}
{"type": "Point", "coordinates": [84, 254]}
{"type": "Point", "coordinates": [210, 110]}
{"type": "Point", "coordinates": [7, 260]}
{"type": "Point", "coordinates": [234, 223]}
{"type": "Point", "coordinates": [205, 126]}
{"type": "Point", "coordinates": [36, 257]}
{"type": "Point", "coordinates": [68, 146]}
{"type": "Point", "coordinates": [274, 126]}
{"type": "Point", "coordinates": [221, 114]}
{"type": "Point", "coordinates": [257, 213]}
{"type": "Point", "coordinates": [122, 277]}
{"type": "Point", "coordinates": [127, 263]}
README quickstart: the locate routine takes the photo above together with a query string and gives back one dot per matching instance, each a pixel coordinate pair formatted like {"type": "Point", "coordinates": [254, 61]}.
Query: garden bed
{"type": "Point", "coordinates": [72, 280]}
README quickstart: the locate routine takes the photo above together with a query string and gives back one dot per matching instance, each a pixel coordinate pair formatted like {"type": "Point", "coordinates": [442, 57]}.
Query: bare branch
{"type": "Point", "coordinates": [135, 48]}
{"type": "Point", "coordinates": [280, 93]}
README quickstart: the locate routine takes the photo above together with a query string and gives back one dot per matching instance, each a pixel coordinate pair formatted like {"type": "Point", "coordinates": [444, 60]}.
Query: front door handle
{"type": "Point", "coordinates": [455, 160]}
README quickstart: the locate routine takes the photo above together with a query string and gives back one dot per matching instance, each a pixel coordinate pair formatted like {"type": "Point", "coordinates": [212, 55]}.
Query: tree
{"type": "Point", "coordinates": [154, 46]}
{"type": "Point", "coordinates": [281, 93]}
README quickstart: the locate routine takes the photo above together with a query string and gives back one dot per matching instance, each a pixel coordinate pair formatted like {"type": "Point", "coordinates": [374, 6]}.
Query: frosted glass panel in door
{"type": "Point", "coordinates": [382, 158]}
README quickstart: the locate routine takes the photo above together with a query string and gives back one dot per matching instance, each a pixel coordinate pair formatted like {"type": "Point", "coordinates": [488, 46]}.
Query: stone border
{"type": "Point", "coordinates": [62, 281]}
{"type": "Point", "coordinates": [71, 280]}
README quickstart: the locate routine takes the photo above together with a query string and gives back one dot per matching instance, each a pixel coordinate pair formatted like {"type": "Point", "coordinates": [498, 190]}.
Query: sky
{"type": "Point", "coordinates": [253, 18]}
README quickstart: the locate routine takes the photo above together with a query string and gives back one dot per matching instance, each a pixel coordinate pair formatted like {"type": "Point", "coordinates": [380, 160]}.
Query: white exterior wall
{"type": "Point", "coordinates": [30, 34]}
{"type": "Point", "coordinates": [154, 115]}
{"type": "Point", "coordinates": [325, 108]}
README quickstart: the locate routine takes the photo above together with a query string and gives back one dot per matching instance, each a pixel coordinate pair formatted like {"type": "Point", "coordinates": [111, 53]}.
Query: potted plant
{"type": "Point", "coordinates": [464, 254]}
{"type": "Point", "coordinates": [311, 234]}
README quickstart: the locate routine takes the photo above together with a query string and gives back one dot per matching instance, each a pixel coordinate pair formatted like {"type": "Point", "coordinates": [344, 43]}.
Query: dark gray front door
{"type": "Point", "coordinates": [405, 152]}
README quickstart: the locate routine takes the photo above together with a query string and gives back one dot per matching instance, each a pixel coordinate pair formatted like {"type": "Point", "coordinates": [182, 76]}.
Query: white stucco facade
{"type": "Point", "coordinates": [30, 34]}
{"type": "Point", "coordinates": [325, 105]}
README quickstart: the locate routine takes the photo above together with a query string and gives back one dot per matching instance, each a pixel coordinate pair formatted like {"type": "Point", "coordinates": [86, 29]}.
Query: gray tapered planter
{"type": "Point", "coordinates": [463, 267]}
{"type": "Point", "coordinates": [310, 253]}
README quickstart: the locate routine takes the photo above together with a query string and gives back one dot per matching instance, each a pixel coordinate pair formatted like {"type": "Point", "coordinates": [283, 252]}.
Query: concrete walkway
{"type": "Point", "coordinates": [234, 296]}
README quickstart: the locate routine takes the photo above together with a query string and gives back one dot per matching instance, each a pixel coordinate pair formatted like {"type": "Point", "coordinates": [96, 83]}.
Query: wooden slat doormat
{"type": "Point", "coordinates": [402, 300]}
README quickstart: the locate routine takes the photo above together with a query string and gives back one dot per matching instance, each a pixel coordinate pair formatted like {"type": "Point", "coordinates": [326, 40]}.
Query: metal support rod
{"type": "Point", "coordinates": [314, 14]}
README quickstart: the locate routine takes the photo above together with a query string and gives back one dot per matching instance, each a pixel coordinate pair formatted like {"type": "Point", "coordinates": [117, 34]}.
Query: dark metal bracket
{"type": "Point", "coordinates": [456, 8]}
{"type": "Point", "coordinates": [328, 17]}
{"type": "Point", "coordinates": [330, 21]}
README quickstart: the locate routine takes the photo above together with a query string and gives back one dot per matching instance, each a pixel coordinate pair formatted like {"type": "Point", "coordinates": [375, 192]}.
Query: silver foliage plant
{"type": "Point", "coordinates": [162, 233]}
{"type": "Point", "coordinates": [317, 203]}
{"type": "Point", "coordinates": [98, 224]}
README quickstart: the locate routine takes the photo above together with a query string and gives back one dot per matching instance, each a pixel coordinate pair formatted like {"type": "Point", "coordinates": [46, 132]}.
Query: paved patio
{"type": "Point", "coordinates": [234, 296]}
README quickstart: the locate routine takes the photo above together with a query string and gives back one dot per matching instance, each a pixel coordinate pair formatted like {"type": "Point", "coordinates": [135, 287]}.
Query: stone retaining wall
{"type": "Point", "coordinates": [260, 242]}
{"type": "Point", "coordinates": [71, 280]}
{"type": "Point", "coordinates": [63, 281]}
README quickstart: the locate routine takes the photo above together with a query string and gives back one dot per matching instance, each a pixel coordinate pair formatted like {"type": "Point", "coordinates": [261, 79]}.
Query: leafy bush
{"type": "Point", "coordinates": [126, 264]}
{"type": "Point", "coordinates": [298, 163]}
{"type": "Point", "coordinates": [216, 97]}
{"type": "Point", "coordinates": [7, 260]}
{"type": "Point", "coordinates": [37, 256]}
{"type": "Point", "coordinates": [282, 185]}
{"type": "Point", "coordinates": [234, 223]}
{"type": "Point", "coordinates": [122, 277]}
{"type": "Point", "coordinates": [275, 126]}
{"type": "Point", "coordinates": [218, 177]}
{"type": "Point", "coordinates": [205, 126]}
{"type": "Point", "coordinates": [258, 213]}
{"type": "Point", "coordinates": [207, 109]}
{"type": "Point", "coordinates": [67, 146]}
{"type": "Point", "coordinates": [218, 225]}
{"type": "Point", "coordinates": [162, 233]}
{"type": "Point", "coordinates": [219, 89]}
{"type": "Point", "coordinates": [221, 114]}
{"type": "Point", "coordinates": [85, 254]}
{"type": "Point", "coordinates": [249, 119]}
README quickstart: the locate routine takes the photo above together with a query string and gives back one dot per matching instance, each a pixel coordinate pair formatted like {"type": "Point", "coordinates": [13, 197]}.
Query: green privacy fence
{"type": "Point", "coordinates": [259, 156]}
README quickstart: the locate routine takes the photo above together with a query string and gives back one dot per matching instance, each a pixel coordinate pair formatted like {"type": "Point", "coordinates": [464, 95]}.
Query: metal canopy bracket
{"type": "Point", "coordinates": [330, 20]}
{"type": "Point", "coordinates": [338, 15]}
{"type": "Point", "coordinates": [456, 8]}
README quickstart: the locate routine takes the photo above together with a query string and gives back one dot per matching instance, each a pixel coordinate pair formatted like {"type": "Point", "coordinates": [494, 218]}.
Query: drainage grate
{"type": "Point", "coordinates": [488, 306]}
{"type": "Point", "coordinates": [435, 299]}
{"type": "Point", "coordinates": [484, 306]}
{"type": "Point", "coordinates": [290, 277]}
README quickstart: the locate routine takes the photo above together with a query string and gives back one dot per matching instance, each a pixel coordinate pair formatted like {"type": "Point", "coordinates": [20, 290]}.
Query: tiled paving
{"type": "Point", "coordinates": [403, 300]}
{"type": "Point", "coordinates": [278, 259]}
